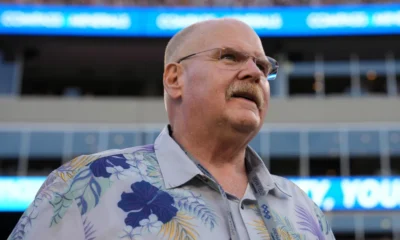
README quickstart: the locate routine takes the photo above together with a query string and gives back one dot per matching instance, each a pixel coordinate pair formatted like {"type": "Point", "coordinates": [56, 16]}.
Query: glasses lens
{"type": "Point", "coordinates": [230, 59]}
{"type": "Point", "coordinates": [274, 69]}
{"type": "Point", "coordinates": [271, 76]}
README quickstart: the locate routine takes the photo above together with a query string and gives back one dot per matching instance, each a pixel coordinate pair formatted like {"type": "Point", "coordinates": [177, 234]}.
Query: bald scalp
{"type": "Point", "coordinates": [178, 42]}
{"type": "Point", "coordinates": [191, 36]}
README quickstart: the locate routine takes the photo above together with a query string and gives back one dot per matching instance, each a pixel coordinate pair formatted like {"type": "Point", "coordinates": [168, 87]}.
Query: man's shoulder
{"type": "Point", "coordinates": [105, 163]}
{"type": "Point", "coordinates": [86, 178]}
{"type": "Point", "coordinates": [305, 207]}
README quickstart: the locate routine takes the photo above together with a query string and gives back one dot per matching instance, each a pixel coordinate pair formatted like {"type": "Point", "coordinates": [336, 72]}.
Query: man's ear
{"type": "Point", "coordinates": [172, 80]}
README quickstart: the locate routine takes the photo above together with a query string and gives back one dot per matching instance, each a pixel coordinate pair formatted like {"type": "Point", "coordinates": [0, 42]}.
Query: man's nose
{"type": "Point", "coordinates": [250, 70]}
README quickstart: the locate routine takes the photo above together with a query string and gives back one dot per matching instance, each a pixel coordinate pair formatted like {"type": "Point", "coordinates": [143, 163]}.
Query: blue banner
{"type": "Point", "coordinates": [353, 194]}
{"type": "Point", "coordinates": [331, 194]}
{"type": "Point", "coordinates": [164, 22]}
{"type": "Point", "coordinates": [18, 192]}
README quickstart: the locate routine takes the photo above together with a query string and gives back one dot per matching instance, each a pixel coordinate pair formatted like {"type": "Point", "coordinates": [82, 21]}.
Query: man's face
{"type": "Point", "coordinates": [236, 98]}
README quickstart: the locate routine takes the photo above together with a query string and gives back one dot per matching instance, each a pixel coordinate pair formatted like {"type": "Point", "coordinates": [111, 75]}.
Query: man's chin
{"type": "Point", "coordinates": [246, 125]}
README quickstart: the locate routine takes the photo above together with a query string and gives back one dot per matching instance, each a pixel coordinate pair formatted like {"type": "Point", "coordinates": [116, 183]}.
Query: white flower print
{"type": "Point", "coordinates": [119, 173]}
{"type": "Point", "coordinates": [136, 160]}
{"type": "Point", "coordinates": [151, 225]}
{"type": "Point", "coordinates": [142, 175]}
{"type": "Point", "coordinates": [193, 197]}
{"type": "Point", "coordinates": [130, 233]}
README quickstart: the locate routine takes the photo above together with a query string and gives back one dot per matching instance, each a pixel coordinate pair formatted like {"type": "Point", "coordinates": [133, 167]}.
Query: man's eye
{"type": "Point", "coordinates": [262, 68]}
{"type": "Point", "coordinates": [228, 56]}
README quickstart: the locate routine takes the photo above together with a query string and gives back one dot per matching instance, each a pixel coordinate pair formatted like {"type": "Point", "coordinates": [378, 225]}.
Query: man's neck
{"type": "Point", "coordinates": [224, 159]}
{"type": "Point", "coordinates": [212, 149]}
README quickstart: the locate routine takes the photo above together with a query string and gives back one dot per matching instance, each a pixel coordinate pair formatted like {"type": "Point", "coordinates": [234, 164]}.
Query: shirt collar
{"type": "Point", "coordinates": [170, 157]}
{"type": "Point", "coordinates": [267, 180]}
{"type": "Point", "coordinates": [176, 167]}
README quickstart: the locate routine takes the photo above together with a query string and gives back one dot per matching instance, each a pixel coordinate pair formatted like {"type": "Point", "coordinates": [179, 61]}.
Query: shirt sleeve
{"type": "Point", "coordinates": [51, 215]}
{"type": "Point", "coordinates": [322, 227]}
{"type": "Point", "coordinates": [325, 227]}
{"type": "Point", "coordinates": [331, 236]}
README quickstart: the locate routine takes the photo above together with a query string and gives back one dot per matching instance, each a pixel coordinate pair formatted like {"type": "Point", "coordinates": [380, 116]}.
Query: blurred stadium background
{"type": "Point", "coordinates": [78, 77]}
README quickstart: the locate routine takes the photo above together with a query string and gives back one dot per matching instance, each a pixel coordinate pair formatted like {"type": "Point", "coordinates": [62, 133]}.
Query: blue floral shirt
{"type": "Point", "coordinates": [157, 192]}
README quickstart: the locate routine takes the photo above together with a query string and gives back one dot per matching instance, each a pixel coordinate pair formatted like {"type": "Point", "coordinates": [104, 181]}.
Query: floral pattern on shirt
{"type": "Point", "coordinates": [147, 209]}
{"type": "Point", "coordinates": [193, 204]}
{"type": "Point", "coordinates": [323, 222]}
{"type": "Point", "coordinates": [89, 230]}
{"type": "Point", "coordinates": [88, 178]}
{"type": "Point", "coordinates": [45, 194]}
{"type": "Point", "coordinates": [170, 214]}
{"type": "Point", "coordinates": [285, 228]}
{"type": "Point", "coordinates": [307, 223]}
{"type": "Point", "coordinates": [144, 201]}
{"type": "Point", "coordinates": [25, 222]}
{"type": "Point", "coordinates": [93, 180]}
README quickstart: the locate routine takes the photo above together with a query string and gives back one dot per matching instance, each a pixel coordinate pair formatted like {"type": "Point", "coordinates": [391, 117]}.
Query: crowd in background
{"type": "Point", "coordinates": [200, 2]}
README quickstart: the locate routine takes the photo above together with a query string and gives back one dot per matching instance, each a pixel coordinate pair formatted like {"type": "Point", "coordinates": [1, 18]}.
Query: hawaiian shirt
{"type": "Point", "coordinates": [157, 192]}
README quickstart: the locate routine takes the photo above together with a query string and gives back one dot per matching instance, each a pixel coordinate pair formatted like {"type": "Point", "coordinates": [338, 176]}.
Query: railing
{"type": "Point", "coordinates": [65, 141]}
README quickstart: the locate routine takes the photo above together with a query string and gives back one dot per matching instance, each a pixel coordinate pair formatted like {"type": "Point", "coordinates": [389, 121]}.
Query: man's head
{"type": "Point", "coordinates": [203, 86]}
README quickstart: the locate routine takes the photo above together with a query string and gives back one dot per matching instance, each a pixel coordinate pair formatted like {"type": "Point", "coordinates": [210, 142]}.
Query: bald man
{"type": "Point", "coordinates": [199, 180]}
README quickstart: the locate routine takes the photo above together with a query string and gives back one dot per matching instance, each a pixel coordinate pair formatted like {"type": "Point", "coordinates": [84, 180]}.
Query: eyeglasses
{"type": "Point", "coordinates": [230, 59]}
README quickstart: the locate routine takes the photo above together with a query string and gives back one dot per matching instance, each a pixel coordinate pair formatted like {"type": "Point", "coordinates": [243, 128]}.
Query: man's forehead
{"type": "Point", "coordinates": [246, 48]}
{"type": "Point", "coordinates": [227, 34]}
